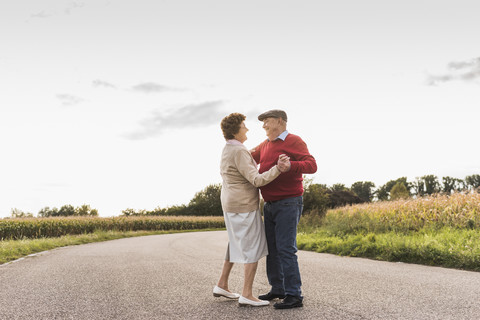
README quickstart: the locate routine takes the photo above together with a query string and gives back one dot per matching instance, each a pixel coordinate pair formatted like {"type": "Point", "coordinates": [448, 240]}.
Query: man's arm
{"type": "Point", "coordinates": [255, 152]}
{"type": "Point", "coordinates": [303, 161]}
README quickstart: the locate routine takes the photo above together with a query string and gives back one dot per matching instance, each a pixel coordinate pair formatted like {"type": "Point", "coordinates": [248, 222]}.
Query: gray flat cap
{"type": "Point", "coordinates": [275, 113]}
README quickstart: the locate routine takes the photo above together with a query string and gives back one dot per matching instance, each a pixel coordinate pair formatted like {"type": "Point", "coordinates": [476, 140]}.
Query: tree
{"type": "Point", "coordinates": [85, 210]}
{"type": "Point", "coordinates": [383, 193]}
{"type": "Point", "coordinates": [431, 184]}
{"type": "Point", "coordinates": [315, 198]}
{"type": "Point", "coordinates": [399, 191]}
{"type": "Point", "coordinates": [17, 213]}
{"type": "Point", "coordinates": [129, 212]}
{"type": "Point", "coordinates": [452, 184]}
{"type": "Point", "coordinates": [418, 187]}
{"type": "Point", "coordinates": [473, 181]}
{"type": "Point", "coordinates": [207, 202]}
{"type": "Point", "coordinates": [181, 210]}
{"type": "Point", "coordinates": [66, 211]}
{"type": "Point", "coordinates": [338, 187]}
{"type": "Point", "coordinates": [364, 190]}
{"type": "Point", "coordinates": [342, 198]}
{"type": "Point", "coordinates": [47, 212]}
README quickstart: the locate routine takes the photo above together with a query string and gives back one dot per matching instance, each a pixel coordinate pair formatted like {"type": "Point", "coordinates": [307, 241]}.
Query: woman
{"type": "Point", "coordinates": [240, 203]}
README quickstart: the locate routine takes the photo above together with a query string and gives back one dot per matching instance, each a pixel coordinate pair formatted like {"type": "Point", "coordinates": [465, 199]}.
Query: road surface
{"type": "Point", "coordinates": [172, 277]}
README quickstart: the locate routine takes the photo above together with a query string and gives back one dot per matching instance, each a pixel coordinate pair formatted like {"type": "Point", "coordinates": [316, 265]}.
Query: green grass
{"type": "Point", "coordinates": [14, 249]}
{"type": "Point", "coordinates": [446, 247]}
{"type": "Point", "coordinates": [437, 231]}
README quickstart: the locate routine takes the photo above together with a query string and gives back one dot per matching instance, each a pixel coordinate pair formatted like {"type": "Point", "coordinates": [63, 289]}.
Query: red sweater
{"type": "Point", "coordinates": [288, 184]}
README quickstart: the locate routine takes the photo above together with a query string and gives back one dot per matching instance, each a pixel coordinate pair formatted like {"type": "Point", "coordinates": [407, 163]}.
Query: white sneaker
{"type": "Point", "coordinates": [219, 292]}
{"type": "Point", "coordinates": [242, 301]}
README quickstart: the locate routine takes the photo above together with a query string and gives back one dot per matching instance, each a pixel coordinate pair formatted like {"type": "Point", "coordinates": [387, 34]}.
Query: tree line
{"type": "Point", "coordinates": [320, 197]}
{"type": "Point", "coordinates": [64, 211]}
{"type": "Point", "coordinates": [317, 197]}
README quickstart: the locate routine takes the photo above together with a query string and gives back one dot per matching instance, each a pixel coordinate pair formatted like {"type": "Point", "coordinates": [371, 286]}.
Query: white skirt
{"type": "Point", "coordinates": [246, 235]}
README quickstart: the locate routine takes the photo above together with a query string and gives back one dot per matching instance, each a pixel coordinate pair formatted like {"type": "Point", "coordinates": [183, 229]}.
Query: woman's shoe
{"type": "Point", "coordinates": [243, 302]}
{"type": "Point", "coordinates": [219, 292]}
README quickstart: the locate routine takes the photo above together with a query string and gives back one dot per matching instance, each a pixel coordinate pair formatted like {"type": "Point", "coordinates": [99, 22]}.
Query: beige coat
{"type": "Point", "coordinates": [241, 179]}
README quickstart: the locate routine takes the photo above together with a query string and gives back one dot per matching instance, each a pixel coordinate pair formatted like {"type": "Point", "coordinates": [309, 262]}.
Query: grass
{"type": "Point", "coordinates": [447, 247]}
{"type": "Point", "coordinates": [437, 231]}
{"type": "Point", "coordinates": [14, 249]}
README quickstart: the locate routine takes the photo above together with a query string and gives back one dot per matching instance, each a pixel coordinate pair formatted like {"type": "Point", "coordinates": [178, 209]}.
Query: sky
{"type": "Point", "coordinates": [117, 104]}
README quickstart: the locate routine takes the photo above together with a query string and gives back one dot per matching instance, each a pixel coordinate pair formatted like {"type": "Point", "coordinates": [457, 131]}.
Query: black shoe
{"type": "Point", "coordinates": [270, 296]}
{"type": "Point", "coordinates": [289, 302]}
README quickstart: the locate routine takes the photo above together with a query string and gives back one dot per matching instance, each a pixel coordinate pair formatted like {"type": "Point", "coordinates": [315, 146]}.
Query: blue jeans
{"type": "Point", "coordinates": [281, 220]}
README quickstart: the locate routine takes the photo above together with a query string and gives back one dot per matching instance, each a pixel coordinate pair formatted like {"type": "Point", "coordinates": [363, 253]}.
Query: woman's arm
{"type": "Point", "coordinates": [246, 166]}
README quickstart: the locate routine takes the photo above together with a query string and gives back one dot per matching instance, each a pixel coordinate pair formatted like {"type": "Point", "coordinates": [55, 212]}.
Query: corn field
{"type": "Point", "coordinates": [459, 210]}
{"type": "Point", "coordinates": [14, 229]}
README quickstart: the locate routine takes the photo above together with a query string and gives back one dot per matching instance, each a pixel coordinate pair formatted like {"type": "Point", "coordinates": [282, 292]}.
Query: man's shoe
{"type": "Point", "coordinates": [289, 302]}
{"type": "Point", "coordinates": [270, 296]}
{"type": "Point", "coordinates": [219, 292]}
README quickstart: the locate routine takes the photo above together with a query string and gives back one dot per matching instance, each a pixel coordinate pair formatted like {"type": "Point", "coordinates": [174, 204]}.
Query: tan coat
{"type": "Point", "coordinates": [241, 179]}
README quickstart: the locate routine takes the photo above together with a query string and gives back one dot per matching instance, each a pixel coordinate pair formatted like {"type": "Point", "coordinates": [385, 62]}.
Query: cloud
{"type": "Point", "coordinates": [193, 115]}
{"type": "Point", "coordinates": [41, 14]}
{"type": "Point", "coordinates": [459, 70]}
{"type": "Point", "coordinates": [68, 99]}
{"type": "Point", "coordinates": [73, 6]}
{"type": "Point", "coordinates": [67, 9]}
{"type": "Point", "coordinates": [151, 87]}
{"type": "Point", "coordinates": [99, 83]}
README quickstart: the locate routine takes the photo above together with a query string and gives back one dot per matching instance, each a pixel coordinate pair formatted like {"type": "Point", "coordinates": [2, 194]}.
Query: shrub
{"type": "Point", "coordinates": [207, 202]}
{"type": "Point", "coordinates": [342, 198]}
{"type": "Point", "coordinates": [315, 197]}
{"type": "Point", "coordinates": [399, 191]}
{"type": "Point", "coordinates": [364, 190]}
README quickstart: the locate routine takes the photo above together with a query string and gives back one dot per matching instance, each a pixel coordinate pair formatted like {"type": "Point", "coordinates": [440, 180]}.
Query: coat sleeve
{"type": "Point", "coordinates": [246, 166]}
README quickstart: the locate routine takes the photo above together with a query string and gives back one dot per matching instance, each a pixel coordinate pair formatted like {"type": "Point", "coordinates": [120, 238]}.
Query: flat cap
{"type": "Point", "coordinates": [275, 113]}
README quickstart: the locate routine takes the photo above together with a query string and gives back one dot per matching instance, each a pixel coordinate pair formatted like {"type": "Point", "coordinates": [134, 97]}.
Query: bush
{"type": "Point", "coordinates": [364, 190]}
{"type": "Point", "coordinates": [399, 191]}
{"type": "Point", "coordinates": [207, 202]}
{"type": "Point", "coordinates": [315, 198]}
{"type": "Point", "coordinates": [342, 198]}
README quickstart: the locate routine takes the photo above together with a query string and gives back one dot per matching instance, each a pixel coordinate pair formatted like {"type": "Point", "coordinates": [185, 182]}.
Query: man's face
{"type": "Point", "coordinates": [271, 125]}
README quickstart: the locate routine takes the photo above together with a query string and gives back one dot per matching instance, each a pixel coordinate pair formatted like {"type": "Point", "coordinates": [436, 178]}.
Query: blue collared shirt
{"type": "Point", "coordinates": [282, 135]}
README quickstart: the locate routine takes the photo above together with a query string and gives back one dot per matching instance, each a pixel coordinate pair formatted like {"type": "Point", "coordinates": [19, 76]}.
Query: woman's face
{"type": "Point", "coordinates": [242, 133]}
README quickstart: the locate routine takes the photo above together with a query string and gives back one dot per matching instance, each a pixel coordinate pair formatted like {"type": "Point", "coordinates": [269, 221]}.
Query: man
{"type": "Point", "coordinates": [283, 207]}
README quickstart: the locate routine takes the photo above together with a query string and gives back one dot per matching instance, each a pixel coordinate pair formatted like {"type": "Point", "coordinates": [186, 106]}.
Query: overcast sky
{"type": "Point", "coordinates": [117, 104]}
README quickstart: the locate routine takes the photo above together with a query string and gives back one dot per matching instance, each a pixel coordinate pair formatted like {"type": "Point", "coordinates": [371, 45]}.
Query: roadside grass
{"type": "Point", "coordinates": [447, 247]}
{"type": "Point", "coordinates": [436, 231]}
{"type": "Point", "coordinates": [14, 249]}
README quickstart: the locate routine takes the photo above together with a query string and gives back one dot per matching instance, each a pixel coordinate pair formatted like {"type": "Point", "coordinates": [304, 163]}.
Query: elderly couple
{"type": "Point", "coordinates": [283, 158]}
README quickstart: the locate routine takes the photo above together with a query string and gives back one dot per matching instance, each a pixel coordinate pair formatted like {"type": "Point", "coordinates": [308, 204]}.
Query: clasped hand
{"type": "Point", "coordinates": [283, 163]}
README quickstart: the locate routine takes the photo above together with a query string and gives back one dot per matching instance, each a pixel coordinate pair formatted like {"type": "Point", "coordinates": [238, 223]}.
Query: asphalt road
{"type": "Point", "coordinates": [172, 277]}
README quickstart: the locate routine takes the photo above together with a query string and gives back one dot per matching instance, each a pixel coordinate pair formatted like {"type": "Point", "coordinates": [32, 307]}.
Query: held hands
{"type": "Point", "coordinates": [283, 163]}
